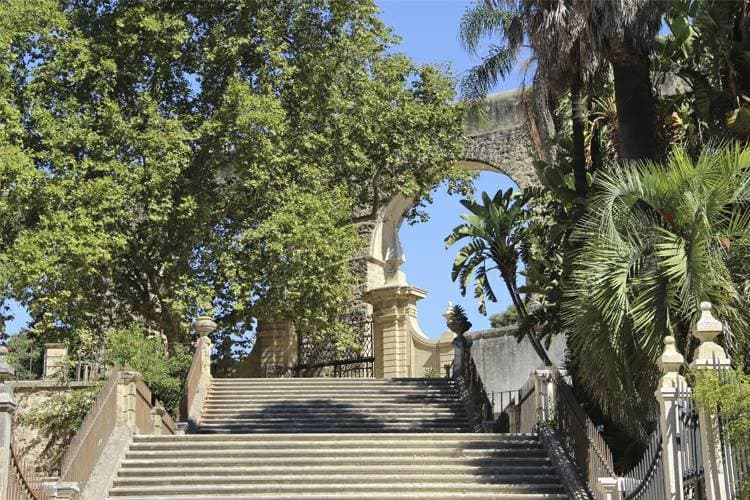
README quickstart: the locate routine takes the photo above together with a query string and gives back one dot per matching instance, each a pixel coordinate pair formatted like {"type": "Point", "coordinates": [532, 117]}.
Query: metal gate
{"type": "Point", "coordinates": [321, 357]}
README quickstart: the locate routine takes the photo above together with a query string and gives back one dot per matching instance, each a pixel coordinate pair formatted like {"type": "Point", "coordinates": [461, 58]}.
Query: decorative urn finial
{"type": "Point", "coordinates": [204, 325]}
{"type": "Point", "coordinates": [456, 319]}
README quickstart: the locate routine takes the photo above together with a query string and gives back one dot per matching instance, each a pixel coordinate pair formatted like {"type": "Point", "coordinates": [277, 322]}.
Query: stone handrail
{"type": "Point", "coordinates": [191, 384]}
{"type": "Point", "coordinates": [198, 379]}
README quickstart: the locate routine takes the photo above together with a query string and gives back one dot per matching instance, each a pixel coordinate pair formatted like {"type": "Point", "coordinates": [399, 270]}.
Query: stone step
{"type": "Point", "coordinates": [329, 381]}
{"type": "Point", "coordinates": [281, 486]}
{"type": "Point", "coordinates": [339, 479]}
{"type": "Point", "coordinates": [302, 429]}
{"type": "Point", "coordinates": [348, 419]}
{"type": "Point", "coordinates": [346, 446]}
{"type": "Point", "coordinates": [459, 437]}
{"type": "Point", "coordinates": [442, 471]}
{"type": "Point", "coordinates": [332, 395]}
{"type": "Point", "coordinates": [404, 461]}
{"type": "Point", "coordinates": [328, 401]}
{"type": "Point", "coordinates": [357, 496]}
{"type": "Point", "coordinates": [292, 412]}
{"type": "Point", "coordinates": [360, 453]}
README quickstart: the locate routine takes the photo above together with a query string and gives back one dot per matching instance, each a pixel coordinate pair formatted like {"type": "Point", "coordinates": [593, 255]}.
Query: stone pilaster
{"type": "Point", "coordinates": [279, 347]}
{"type": "Point", "coordinates": [671, 387]}
{"type": "Point", "coordinates": [394, 307]}
{"type": "Point", "coordinates": [7, 409]}
{"type": "Point", "coordinates": [710, 356]}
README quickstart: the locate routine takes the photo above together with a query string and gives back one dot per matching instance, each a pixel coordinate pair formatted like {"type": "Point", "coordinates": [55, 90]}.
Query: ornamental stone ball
{"type": "Point", "coordinates": [204, 325]}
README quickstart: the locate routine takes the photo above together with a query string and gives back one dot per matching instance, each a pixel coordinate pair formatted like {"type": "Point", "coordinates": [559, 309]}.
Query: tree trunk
{"type": "Point", "coordinates": [523, 315]}
{"type": "Point", "coordinates": [579, 143]}
{"type": "Point", "coordinates": [636, 113]}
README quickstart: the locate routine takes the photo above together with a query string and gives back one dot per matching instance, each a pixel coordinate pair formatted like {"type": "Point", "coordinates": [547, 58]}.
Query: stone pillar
{"type": "Point", "coordinates": [7, 409]}
{"type": "Point", "coordinates": [157, 413]}
{"type": "Point", "coordinates": [127, 398]}
{"type": "Point", "coordinates": [205, 326]}
{"type": "Point", "coordinates": [608, 486]}
{"type": "Point", "coordinates": [461, 345]}
{"type": "Point", "coordinates": [671, 385]}
{"type": "Point", "coordinates": [393, 307]}
{"type": "Point", "coordinates": [55, 355]}
{"type": "Point", "coordinates": [279, 347]}
{"type": "Point", "coordinates": [543, 392]}
{"type": "Point", "coordinates": [710, 356]}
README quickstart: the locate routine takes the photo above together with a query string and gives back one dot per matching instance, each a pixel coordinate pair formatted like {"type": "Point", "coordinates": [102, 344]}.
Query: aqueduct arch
{"type": "Point", "coordinates": [501, 145]}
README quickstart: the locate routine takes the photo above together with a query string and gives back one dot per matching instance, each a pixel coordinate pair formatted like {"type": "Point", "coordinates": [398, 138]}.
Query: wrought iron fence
{"type": "Point", "coordinates": [646, 480]}
{"type": "Point", "coordinates": [581, 438]}
{"type": "Point", "coordinates": [319, 356]}
{"type": "Point", "coordinates": [693, 477]}
{"type": "Point", "coordinates": [23, 483]}
{"type": "Point", "coordinates": [479, 398]}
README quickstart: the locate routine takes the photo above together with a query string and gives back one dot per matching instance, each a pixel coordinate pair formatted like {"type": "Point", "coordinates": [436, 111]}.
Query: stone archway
{"type": "Point", "coordinates": [501, 144]}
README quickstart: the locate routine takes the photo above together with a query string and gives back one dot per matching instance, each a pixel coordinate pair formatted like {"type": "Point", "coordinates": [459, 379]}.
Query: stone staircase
{"type": "Point", "coordinates": [336, 438]}
{"type": "Point", "coordinates": [332, 405]}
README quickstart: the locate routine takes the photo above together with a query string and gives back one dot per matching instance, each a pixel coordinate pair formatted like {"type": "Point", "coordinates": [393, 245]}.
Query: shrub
{"type": "Point", "coordinates": [162, 372]}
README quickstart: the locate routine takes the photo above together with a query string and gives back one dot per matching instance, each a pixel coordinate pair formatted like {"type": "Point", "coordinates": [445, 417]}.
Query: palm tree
{"type": "Point", "coordinates": [571, 40]}
{"type": "Point", "coordinates": [654, 243]}
{"type": "Point", "coordinates": [494, 230]}
{"type": "Point", "coordinates": [623, 33]}
{"type": "Point", "coordinates": [551, 30]}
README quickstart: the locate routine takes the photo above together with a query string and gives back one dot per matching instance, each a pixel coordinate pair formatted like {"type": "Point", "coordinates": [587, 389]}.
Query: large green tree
{"type": "Point", "coordinates": [160, 160]}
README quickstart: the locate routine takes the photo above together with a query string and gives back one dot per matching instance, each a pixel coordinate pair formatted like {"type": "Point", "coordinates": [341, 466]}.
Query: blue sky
{"type": "Point", "coordinates": [429, 33]}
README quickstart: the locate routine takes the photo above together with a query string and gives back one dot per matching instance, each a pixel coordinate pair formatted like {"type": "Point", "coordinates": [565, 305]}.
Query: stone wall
{"type": "Point", "coordinates": [32, 394]}
{"type": "Point", "coordinates": [504, 363]}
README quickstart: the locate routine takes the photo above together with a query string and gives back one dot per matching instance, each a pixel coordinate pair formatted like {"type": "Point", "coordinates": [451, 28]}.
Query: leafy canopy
{"type": "Point", "coordinates": [162, 160]}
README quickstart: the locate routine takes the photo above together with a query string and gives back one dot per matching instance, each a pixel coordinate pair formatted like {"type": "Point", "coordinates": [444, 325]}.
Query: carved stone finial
{"type": "Point", "coordinates": [671, 359]}
{"type": "Point", "coordinates": [706, 330]}
{"type": "Point", "coordinates": [707, 327]}
{"type": "Point", "coordinates": [204, 325]}
{"type": "Point", "coordinates": [7, 372]}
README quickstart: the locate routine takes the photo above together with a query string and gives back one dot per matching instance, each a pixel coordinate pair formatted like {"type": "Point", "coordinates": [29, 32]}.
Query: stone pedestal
{"type": "Point", "coordinates": [393, 308]}
{"type": "Point", "coordinates": [279, 347]}
{"type": "Point", "coordinates": [54, 359]}
{"type": "Point", "coordinates": [671, 387]}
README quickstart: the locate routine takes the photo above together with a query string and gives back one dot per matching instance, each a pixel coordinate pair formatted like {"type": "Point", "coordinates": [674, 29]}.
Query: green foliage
{"type": "Point", "coordinates": [25, 355]}
{"type": "Point", "coordinates": [730, 392]}
{"type": "Point", "coordinates": [509, 317]}
{"type": "Point", "coordinates": [58, 418]}
{"type": "Point", "coordinates": [162, 373]}
{"type": "Point", "coordinates": [707, 48]}
{"type": "Point", "coordinates": [431, 373]}
{"type": "Point", "coordinates": [655, 242]}
{"type": "Point", "coordinates": [159, 161]}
